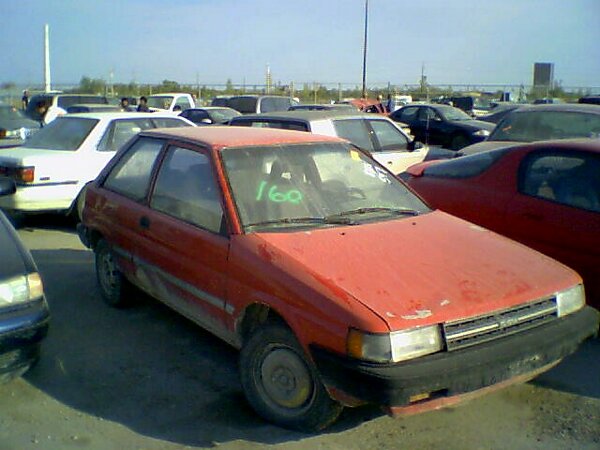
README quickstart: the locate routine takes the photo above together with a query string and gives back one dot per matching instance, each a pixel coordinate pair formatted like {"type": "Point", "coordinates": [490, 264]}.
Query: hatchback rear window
{"type": "Point", "coordinates": [467, 166]}
{"type": "Point", "coordinates": [64, 133]}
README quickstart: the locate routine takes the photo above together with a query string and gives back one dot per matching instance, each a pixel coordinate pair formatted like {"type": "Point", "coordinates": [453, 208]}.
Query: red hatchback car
{"type": "Point", "coordinates": [337, 283]}
{"type": "Point", "coordinates": [545, 195]}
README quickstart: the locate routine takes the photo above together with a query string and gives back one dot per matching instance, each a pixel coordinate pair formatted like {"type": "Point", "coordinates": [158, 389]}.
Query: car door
{"type": "Point", "coordinates": [391, 148]}
{"type": "Point", "coordinates": [557, 207]}
{"type": "Point", "coordinates": [184, 245]}
{"type": "Point", "coordinates": [433, 126]}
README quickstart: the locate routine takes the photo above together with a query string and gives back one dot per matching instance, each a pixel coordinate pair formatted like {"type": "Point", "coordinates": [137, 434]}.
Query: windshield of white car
{"type": "Point", "coordinates": [316, 184]}
{"type": "Point", "coordinates": [63, 133]}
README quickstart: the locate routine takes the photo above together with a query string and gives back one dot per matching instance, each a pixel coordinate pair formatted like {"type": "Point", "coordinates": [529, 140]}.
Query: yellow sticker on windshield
{"type": "Point", "coordinates": [354, 155]}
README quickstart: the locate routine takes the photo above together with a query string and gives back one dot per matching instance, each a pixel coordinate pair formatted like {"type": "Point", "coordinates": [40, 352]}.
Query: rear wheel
{"type": "Point", "coordinates": [115, 289]}
{"type": "Point", "coordinates": [281, 384]}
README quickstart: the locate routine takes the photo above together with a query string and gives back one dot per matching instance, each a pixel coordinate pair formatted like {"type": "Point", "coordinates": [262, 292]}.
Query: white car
{"type": "Point", "coordinates": [53, 166]}
{"type": "Point", "coordinates": [381, 137]}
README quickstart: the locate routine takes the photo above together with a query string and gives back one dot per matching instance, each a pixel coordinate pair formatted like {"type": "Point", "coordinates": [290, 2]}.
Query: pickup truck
{"type": "Point", "coordinates": [173, 101]}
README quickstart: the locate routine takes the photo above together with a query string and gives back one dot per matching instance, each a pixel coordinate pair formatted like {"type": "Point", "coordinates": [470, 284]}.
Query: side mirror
{"type": "Point", "coordinates": [414, 145]}
{"type": "Point", "coordinates": [206, 121]}
{"type": "Point", "coordinates": [7, 186]}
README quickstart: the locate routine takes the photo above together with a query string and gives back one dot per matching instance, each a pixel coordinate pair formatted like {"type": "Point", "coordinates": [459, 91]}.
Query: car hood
{"type": "Point", "coordinates": [487, 145]}
{"type": "Point", "coordinates": [421, 270]}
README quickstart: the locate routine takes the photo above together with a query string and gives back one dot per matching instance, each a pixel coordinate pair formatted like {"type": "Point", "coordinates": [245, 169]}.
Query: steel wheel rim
{"type": "Point", "coordinates": [107, 272]}
{"type": "Point", "coordinates": [286, 379]}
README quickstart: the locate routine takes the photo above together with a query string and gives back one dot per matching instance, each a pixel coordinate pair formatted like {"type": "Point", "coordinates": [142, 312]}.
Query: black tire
{"type": "Point", "coordinates": [296, 399]}
{"type": "Point", "coordinates": [114, 287]}
{"type": "Point", "coordinates": [459, 141]}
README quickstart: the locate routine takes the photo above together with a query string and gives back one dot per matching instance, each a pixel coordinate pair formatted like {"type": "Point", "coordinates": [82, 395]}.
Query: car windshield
{"type": "Point", "coordinates": [317, 184]}
{"type": "Point", "coordinates": [64, 133]}
{"type": "Point", "coordinates": [451, 113]}
{"type": "Point", "coordinates": [160, 102]}
{"type": "Point", "coordinates": [529, 126]}
{"type": "Point", "coordinates": [223, 115]}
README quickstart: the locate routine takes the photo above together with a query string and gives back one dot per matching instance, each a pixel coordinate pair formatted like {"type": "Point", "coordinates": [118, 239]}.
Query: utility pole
{"type": "Point", "coordinates": [364, 74]}
{"type": "Point", "coordinates": [47, 83]}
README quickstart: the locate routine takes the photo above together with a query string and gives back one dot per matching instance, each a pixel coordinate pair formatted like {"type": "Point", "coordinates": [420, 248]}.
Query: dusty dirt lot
{"type": "Point", "coordinates": [146, 378]}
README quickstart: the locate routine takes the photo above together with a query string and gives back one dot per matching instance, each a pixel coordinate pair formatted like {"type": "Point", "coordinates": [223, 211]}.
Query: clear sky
{"type": "Point", "coordinates": [147, 41]}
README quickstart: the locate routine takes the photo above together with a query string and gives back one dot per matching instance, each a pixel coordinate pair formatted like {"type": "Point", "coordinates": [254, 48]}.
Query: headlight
{"type": "Point", "coordinates": [482, 133]}
{"type": "Point", "coordinates": [570, 300]}
{"type": "Point", "coordinates": [396, 346]}
{"type": "Point", "coordinates": [21, 289]}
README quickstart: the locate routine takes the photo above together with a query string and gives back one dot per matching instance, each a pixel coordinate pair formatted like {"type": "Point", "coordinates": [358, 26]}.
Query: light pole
{"type": "Point", "coordinates": [364, 73]}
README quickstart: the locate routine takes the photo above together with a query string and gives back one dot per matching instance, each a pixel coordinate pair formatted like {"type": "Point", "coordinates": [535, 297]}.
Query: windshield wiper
{"type": "Point", "coordinates": [396, 211]}
{"type": "Point", "coordinates": [295, 220]}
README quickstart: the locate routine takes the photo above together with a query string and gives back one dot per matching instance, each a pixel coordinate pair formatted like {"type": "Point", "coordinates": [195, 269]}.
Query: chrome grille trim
{"type": "Point", "coordinates": [472, 331]}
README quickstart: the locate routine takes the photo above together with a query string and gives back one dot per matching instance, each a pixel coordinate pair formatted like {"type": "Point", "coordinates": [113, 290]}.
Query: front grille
{"type": "Point", "coordinates": [464, 333]}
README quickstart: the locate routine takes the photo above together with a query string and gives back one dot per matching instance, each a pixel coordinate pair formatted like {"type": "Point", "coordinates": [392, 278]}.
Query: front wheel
{"type": "Point", "coordinates": [281, 384]}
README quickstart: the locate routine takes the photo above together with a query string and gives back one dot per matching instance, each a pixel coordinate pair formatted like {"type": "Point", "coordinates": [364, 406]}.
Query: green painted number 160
{"type": "Point", "coordinates": [292, 196]}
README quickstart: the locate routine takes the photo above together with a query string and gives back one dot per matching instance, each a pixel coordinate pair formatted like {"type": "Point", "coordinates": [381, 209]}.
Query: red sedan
{"type": "Point", "coordinates": [545, 195]}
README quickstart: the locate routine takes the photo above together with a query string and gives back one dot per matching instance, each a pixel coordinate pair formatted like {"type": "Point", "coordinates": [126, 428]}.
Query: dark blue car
{"type": "Point", "coordinates": [442, 125]}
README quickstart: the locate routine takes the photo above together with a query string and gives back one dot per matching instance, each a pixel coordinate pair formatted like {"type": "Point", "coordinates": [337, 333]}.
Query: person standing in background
{"type": "Point", "coordinates": [143, 106]}
{"type": "Point", "coordinates": [25, 99]}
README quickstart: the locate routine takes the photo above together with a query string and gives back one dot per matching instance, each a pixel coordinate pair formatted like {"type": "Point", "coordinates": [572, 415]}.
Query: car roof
{"type": "Point", "coordinates": [308, 115]}
{"type": "Point", "coordinates": [121, 115]}
{"type": "Point", "coordinates": [583, 144]}
{"type": "Point", "coordinates": [227, 136]}
{"type": "Point", "coordinates": [562, 107]}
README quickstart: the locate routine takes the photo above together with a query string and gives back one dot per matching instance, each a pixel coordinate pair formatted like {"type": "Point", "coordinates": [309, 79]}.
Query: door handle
{"type": "Point", "coordinates": [144, 222]}
{"type": "Point", "coordinates": [390, 162]}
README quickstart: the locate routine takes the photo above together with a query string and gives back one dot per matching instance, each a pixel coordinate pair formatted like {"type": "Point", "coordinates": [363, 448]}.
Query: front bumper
{"type": "Point", "coordinates": [21, 332]}
{"type": "Point", "coordinates": [457, 373]}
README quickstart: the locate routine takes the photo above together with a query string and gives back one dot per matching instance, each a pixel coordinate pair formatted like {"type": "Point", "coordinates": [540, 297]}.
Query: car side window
{"type": "Point", "coordinates": [428, 114]}
{"type": "Point", "coordinates": [571, 179]}
{"type": "Point", "coordinates": [406, 115]}
{"type": "Point", "coordinates": [388, 136]}
{"type": "Point", "coordinates": [356, 131]}
{"type": "Point", "coordinates": [120, 131]}
{"type": "Point", "coordinates": [185, 188]}
{"type": "Point", "coordinates": [131, 175]}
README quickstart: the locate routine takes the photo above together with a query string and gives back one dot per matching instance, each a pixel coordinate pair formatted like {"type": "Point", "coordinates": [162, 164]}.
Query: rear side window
{"type": "Point", "coordinates": [120, 131]}
{"type": "Point", "coordinates": [269, 104]}
{"type": "Point", "coordinates": [388, 136]}
{"type": "Point", "coordinates": [466, 166]}
{"type": "Point", "coordinates": [245, 105]}
{"type": "Point", "coordinates": [571, 179]}
{"type": "Point", "coordinates": [62, 134]}
{"type": "Point", "coordinates": [131, 175]}
{"type": "Point", "coordinates": [185, 189]}
{"type": "Point", "coordinates": [356, 131]}
{"type": "Point", "coordinates": [406, 115]}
